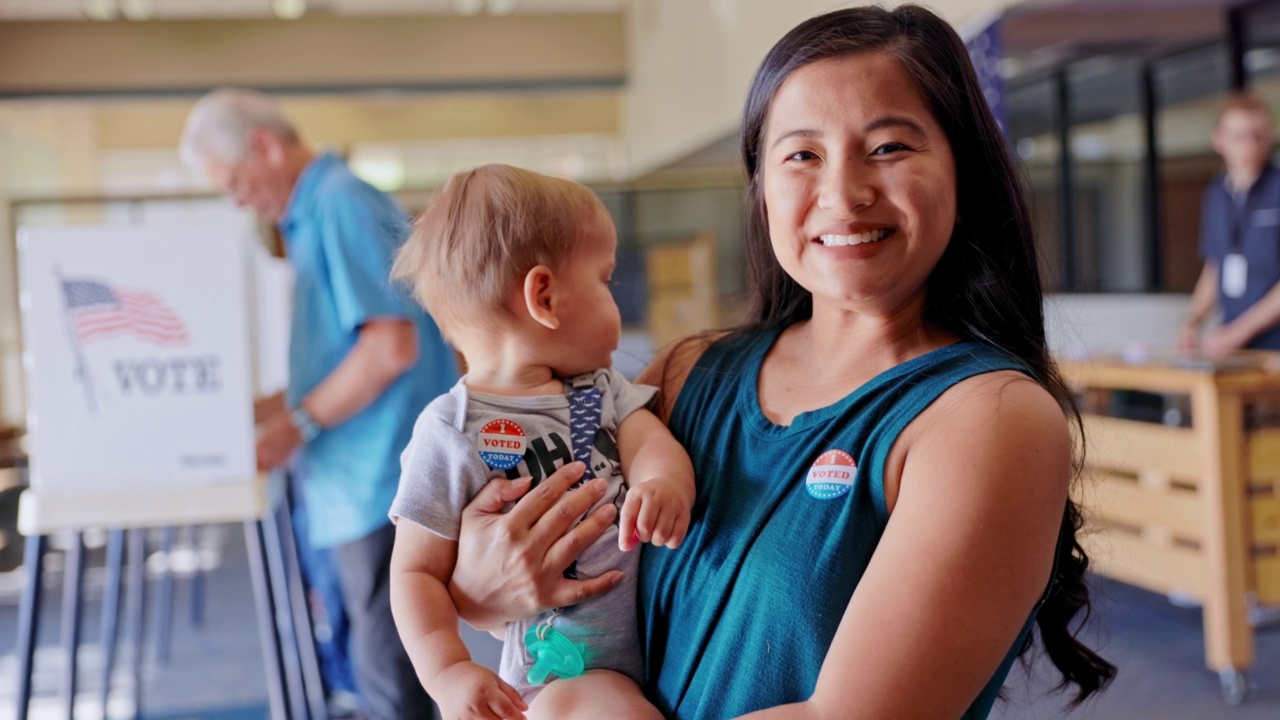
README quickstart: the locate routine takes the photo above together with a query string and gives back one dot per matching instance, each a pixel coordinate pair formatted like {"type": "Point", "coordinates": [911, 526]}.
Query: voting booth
{"type": "Point", "coordinates": [144, 347]}
{"type": "Point", "coordinates": [137, 357]}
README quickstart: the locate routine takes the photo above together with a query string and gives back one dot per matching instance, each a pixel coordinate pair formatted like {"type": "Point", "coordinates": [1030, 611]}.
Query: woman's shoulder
{"type": "Point", "coordinates": [1004, 407]}
{"type": "Point", "coordinates": [995, 424]}
{"type": "Point", "coordinates": [676, 361]}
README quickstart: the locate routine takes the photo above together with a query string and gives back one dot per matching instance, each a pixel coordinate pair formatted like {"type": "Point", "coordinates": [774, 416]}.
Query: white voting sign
{"type": "Point", "coordinates": [137, 359]}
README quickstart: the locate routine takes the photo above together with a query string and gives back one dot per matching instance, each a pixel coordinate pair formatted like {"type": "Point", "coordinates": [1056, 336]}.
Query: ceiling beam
{"type": "Point", "coordinates": [1026, 30]}
{"type": "Point", "coordinates": [312, 54]}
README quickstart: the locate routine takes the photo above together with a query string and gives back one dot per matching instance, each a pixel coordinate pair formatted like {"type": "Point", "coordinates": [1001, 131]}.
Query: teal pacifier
{"type": "Point", "coordinates": [553, 654]}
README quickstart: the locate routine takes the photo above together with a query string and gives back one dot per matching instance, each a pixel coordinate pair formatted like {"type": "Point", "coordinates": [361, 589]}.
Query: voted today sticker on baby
{"type": "Point", "coordinates": [831, 475]}
{"type": "Point", "coordinates": [501, 444]}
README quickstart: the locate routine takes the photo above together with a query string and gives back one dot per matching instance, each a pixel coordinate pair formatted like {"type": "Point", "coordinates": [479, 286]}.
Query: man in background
{"type": "Point", "coordinates": [363, 361]}
{"type": "Point", "coordinates": [1239, 237]}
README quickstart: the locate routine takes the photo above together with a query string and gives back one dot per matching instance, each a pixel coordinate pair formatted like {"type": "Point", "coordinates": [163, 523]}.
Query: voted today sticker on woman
{"type": "Point", "coordinates": [501, 444]}
{"type": "Point", "coordinates": [831, 475]}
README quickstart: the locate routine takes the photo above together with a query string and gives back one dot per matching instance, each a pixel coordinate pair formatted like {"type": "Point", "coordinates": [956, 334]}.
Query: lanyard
{"type": "Point", "coordinates": [1239, 213]}
{"type": "Point", "coordinates": [1239, 209]}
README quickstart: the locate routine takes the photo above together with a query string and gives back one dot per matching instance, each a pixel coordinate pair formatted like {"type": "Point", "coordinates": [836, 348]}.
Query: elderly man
{"type": "Point", "coordinates": [363, 360]}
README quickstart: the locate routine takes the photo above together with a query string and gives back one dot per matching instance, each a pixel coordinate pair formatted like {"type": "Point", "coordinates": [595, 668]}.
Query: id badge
{"type": "Point", "coordinates": [1235, 274]}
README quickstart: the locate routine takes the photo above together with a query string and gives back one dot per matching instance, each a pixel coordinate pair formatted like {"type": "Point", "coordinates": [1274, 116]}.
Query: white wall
{"type": "Point", "coordinates": [691, 61]}
{"type": "Point", "coordinates": [1079, 325]}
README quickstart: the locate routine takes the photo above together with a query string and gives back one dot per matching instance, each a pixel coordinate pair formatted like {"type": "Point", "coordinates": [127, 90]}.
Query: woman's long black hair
{"type": "Point", "coordinates": [985, 287]}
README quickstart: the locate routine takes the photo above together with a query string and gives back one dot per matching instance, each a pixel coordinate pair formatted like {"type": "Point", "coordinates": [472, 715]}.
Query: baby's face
{"type": "Point", "coordinates": [589, 320]}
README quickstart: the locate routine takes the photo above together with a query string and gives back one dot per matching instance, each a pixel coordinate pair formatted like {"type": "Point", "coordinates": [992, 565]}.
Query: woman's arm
{"type": "Point", "coordinates": [671, 368]}
{"type": "Point", "coordinates": [967, 552]}
{"type": "Point", "coordinates": [511, 565]}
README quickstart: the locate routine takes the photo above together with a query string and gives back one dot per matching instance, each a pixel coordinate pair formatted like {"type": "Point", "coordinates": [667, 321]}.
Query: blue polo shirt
{"type": "Point", "coordinates": [1249, 224]}
{"type": "Point", "coordinates": [341, 234]}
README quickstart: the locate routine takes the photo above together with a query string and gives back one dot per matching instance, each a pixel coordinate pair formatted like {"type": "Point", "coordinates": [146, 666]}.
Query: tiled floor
{"type": "Point", "coordinates": [215, 668]}
{"type": "Point", "coordinates": [215, 671]}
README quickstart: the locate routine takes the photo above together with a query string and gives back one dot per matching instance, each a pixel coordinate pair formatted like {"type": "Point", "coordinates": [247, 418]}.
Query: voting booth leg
{"type": "Point", "coordinates": [289, 635]}
{"type": "Point", "coordinates": [28, 615]}
{"type": "Point", "coordinates": [313, 680]}
{"type": "Point", "coordinates": [135, 606]}
{"type": "Point", "coordinates": [72, 585]}
{"type": "Point", "coordinates": [162, 634]}
{"type": "Point", "coordinates": [111, 611]}
{"type": "Point", "coordinates": [253, 533]}
{"type": "Point", "coordinates": [197, 585]}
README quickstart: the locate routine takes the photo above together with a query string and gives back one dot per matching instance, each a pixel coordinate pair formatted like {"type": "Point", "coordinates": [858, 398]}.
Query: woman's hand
{"type": "Point", "coordinates": [511, 565]}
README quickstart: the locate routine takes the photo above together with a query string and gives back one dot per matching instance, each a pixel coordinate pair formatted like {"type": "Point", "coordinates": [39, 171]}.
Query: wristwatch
{"type": "Point", "coordinates": [306, 425]}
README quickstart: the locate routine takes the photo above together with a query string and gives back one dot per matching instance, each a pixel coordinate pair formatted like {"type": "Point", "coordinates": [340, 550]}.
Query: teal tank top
{"type": "Point", "coordinates": [740, 617]}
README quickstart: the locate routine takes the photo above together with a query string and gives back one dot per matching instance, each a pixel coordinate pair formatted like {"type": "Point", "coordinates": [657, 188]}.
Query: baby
{"type": "Point", "coordinates": [516, 267]}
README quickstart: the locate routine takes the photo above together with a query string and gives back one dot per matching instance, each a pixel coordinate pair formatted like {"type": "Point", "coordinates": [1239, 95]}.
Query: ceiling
{"type": "Point", "coordinates": [1092, 27]}
{"type": "Point", "coordinates": [1129, 4]}
{"type": "Point", "coordinates": [201, 9]}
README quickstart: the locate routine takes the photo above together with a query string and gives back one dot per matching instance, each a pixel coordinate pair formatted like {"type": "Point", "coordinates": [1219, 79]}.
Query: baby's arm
{"type": "Point", "coordinates": [421, 563]}
{"type": "Point", "coordinates": [660, 479]}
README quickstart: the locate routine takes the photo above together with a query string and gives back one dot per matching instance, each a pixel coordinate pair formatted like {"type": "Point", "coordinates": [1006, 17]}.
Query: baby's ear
{"type": "Point", "coordinates": [539, 292]}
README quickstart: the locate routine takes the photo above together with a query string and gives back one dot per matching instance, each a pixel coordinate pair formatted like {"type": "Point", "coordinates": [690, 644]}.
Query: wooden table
{"type": "Point", "coordinates": [1189, 510]}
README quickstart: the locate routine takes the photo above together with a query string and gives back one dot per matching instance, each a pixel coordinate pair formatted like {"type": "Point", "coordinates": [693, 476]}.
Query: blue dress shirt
{"type": "Point", "coordinates": [342, 234]}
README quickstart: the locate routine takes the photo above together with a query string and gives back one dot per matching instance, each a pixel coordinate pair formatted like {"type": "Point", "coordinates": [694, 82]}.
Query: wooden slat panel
{"type": "Point", "coordinates": [667, 268]}
{"type": "Point", "coordinates": [1130, 559]}
{"type": "Point", "coordinates": [1265, 517]}
{"type": "Point", "coordinates": [1267, 579]}
{"type": "Point", "coordinates": [1118, 499]}
{"type": "Point", "coordinates": [1131, 446]}
{"type": "Point", "coordinates": [1253, 381]}
{"type": "Point", "coordinates": [1264, 455]}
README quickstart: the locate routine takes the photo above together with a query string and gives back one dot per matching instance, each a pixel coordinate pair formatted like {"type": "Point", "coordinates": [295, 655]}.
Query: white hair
{"type": "Point", "coordinates": [218, 126]}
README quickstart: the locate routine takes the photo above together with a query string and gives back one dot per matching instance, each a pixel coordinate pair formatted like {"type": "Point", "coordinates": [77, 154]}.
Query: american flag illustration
{"type": "Point", "coordinates": [96, 310]}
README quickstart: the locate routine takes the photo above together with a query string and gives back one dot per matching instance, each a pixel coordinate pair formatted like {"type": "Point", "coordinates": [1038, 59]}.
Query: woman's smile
{"type": "Point", "coordinates": [871, 236]}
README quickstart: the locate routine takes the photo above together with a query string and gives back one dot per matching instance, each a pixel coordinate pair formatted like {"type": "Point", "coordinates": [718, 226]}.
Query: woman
{"type": "Point", "coordinates": [882, 451]}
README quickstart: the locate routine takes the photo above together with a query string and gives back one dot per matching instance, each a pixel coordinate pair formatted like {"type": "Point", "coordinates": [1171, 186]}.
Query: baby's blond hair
{"type": "Point", "coordinates": [483, 232]}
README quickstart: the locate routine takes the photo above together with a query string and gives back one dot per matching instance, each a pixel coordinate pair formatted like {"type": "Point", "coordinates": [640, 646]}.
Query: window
{"type": "Point", "coordinates": [1189, 89]}
{"type": "Point", "coordinates": [1032, 111]}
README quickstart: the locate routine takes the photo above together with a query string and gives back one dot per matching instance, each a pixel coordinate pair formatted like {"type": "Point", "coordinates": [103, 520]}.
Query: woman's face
{"type": "Point", "coordinates": [859, 182]}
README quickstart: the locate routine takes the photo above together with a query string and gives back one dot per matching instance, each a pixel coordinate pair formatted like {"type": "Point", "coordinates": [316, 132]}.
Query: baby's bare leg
{"type": "Point", "coordinates": [592, 695]}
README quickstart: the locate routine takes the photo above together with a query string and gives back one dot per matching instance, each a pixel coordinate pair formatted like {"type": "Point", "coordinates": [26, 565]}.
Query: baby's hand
{"type": "Point", "coordinates": [655, 511]}
{"type": "Point", "coordinates": [467, 691]}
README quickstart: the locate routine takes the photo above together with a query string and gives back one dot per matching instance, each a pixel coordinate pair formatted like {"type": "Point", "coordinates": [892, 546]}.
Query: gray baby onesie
{"type": "Point", "coordinates": [463, 439]}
